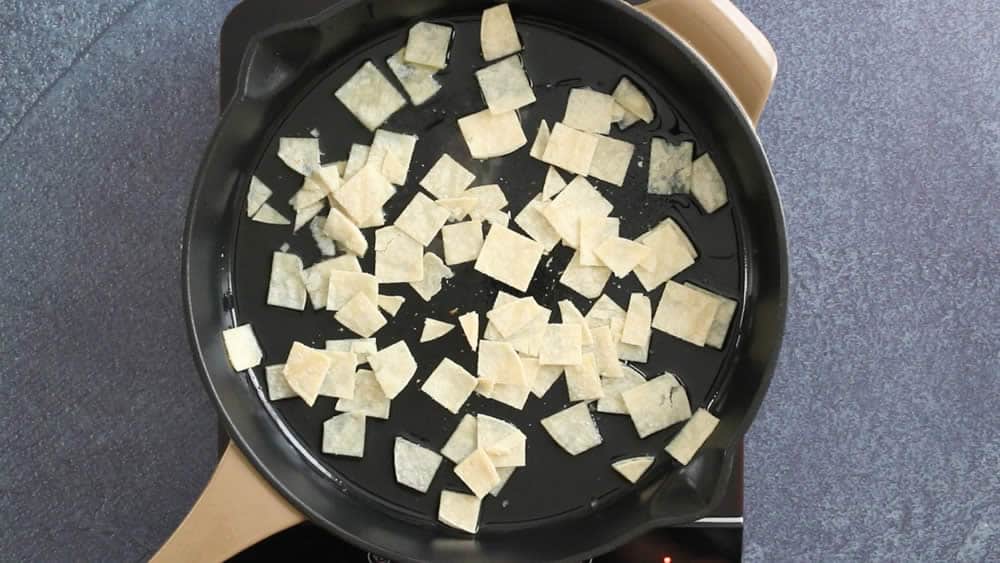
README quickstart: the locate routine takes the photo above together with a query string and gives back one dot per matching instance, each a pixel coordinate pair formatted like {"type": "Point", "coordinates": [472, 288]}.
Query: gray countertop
{"type": "Point", "coordinates": [879, 440]}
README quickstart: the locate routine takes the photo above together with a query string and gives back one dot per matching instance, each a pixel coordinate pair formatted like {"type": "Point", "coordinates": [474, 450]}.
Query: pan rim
{"type": "Point", "coordinates": [245, 443]}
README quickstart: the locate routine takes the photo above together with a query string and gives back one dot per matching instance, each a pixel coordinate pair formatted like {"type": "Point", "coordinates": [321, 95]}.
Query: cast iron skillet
{"type": "Point", "coordinates": [557, 508]}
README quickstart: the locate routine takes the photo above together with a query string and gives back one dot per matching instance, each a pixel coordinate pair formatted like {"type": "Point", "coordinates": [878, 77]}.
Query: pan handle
{"type": "Point", "coordinates": [728, 41]}
{"type": "Point", "coordinates": [237, 509]}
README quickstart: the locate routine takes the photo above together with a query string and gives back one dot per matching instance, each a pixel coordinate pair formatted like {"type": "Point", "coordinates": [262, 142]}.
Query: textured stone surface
{"type": "Point", "coordinates": [879, 439]}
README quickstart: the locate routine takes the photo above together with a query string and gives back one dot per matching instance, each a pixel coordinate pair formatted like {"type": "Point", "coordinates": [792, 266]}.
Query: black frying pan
{"type": "Point", "coordinates": [558, 507]}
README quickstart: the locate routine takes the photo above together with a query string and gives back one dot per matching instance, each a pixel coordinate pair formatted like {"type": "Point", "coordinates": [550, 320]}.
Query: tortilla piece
{"type": "Point", "coordinates": [588, 281]}
{"type": "Point", "coordinates": [427, 44]}
{"type": "Point", "coordinates": [502, 298]}
{"type": "Point", "coordinates": [692, 436]}
{"type": "Point", "coordinates": [286, 288]}
{"type": "Point", "coordinates": [509, 257]}
{"type": "Point", "coordinates": [356, 159]}
{"type": "Point", "coordinates": [326, 245]}
{"type": "Point", "coordinates": [242, 348]}
{"type": "Point", "coordinates": [462, 242]}
{"type": "Point", "coordinates": [327, 177]}
{"type": "Point", "coordinates": [497, 34]}
{"type": "Point", "coordinates": [415, 465]}
{"type": "Point", "coordinates": [394, 367]}
{"type": "Point", "coordinates": [573, 429]}
{"type": "Point", "coordinates": [593, 232]}
{"type": "Point", "coordinates": [541, 140]}
{"type": "Point", "coordinates": [422, 219]}
{"type": "Point", "coordinates": [611, 160]}
{"type": "Point", "coordinates": [301, 154]}
{"type": "Point", "coordinates": [673, 250]}
{"type": "Point", "coordinates": [530, 366]}
{"type": "Point", "coordinates": [545, 378]}
{"type": "Point", "coordinates": [533, 222]}
{"type": "Point", "coordinates": [449, 385]}
{"type": "Point", "coordinates": [633, 467]}
{"type": "Point", "coordinates": [605, 312]}
{"type": "Point", "coordinates": [306, 213]}
{"type": "Point", "coordinates": [390, 303]}
{"type": "Point", "coordinates": [460, 207]}
{"type": "Point", "coordinates": [490, 199]}
{"type": "Point", "coordinates": [621, 255]}
{"type": "Point", "coordinates": [572, 316]}
{"type": "Point", "coordinates": [628, 119]}
{"type": "Point", "coordinates": [490, 135]}
{"type": "Point", "coordinates": [343, 286]}
{"type": "Point", "coordinates": [370, 97]}
{"type": "Point", "coordinates": [277, 386]}
{"type": "Point", "coordinates": [606, 353]}
{"type": "Point", "coordinates": [638, 320]}
{"type": "Point", "coordinates": [504, 473]}
{"type": "Point", "coordinates": [612, 402]}
{"type": "Point", "coordinates": [617, 112]}
{"type": "Point", "coordinates": [630, 97]}
{"type": "Point", "coordinates": [485, 386]}
{"type": "Point", "coordinates": [418, 81]}
{"type": "Point", "coordinates": [528, 341]}
{"type": "Point", "coordinates": [723, 317]}
{"type": "Point", "coordinates": [578, 200]}
{"type": "Point", "coordinates": [362, 348]}
{"type": "Point", "coordinates": [562, 345]}
{"type": "Point", "coordinates": [435, 272]}
{"type": "Point", "coordinates": [514, 396]}
{"type": "Point", "coordinates": [502, 441]}
{"type": "Point", "coordinates": [554, 183]}
{"type": "Point", "coordinates": [462, 441]}
{"type": "Point", "coordinates": [570, 149]}
{"type": "Point", "coordinates": [582, 381]}
{"type": "Point", "coordinates": [307, 195]}
{"type": "Point", "coordinates": [397, 145]}
{"type": "Point", "coordinates": [270, 216]}
{"type": "Point", "coordinates": [317, 277]}
{"type": "Point", "coordinates": [447, 178]}
{"type": "Point", "coordinates": [499, 361]}
{"type": "Point", "coordinates": [344, 435]}
{"type": "Point", "coordinates": [685, 313]}
{"type": "Point", "coordinates": [341, 377]}
{"type": "Point", "coordinates": [590, 111]}
{"type": "Point", "coordinates": [434, 329]}
{"type": "Point", "coordinates": [511, 317]}
{"type": "Point", "coordinates": [707, 185]}
{"type": "Point", "coordinates": [505, 86]}
{"type": "Point", "coordinates": [470, 327]}
{"type": "Point", "coordinates": [478, 473]}
{"type": "Point", "coordinates": [657, 404]}
{"type": "Point", "coordinates": [305, 370]}
{"type": "Point", "coordinates": [460, 511]}
{"type": "Point", "coordinates": [669, 167]}
{"type": "Point", "coordinates": [364, 194]}
{"type": "Point", "coordinates": [508, 451]}
{"type": "Point", "coordinates": [398, 258]}
{"type": "Point", "coordinates": [360, 315]}
{"type": "Point", "coordinates": [369, 400]}
{"type": "Point", "coordinates": [490, 430]}
{"type": "Point", "coordinates": [257, 194]}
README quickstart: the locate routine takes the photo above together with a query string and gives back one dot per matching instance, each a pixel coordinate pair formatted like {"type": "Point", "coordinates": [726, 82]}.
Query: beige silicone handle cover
{"type": "Point", "coordinates": [237, 509]}
{"type": "Point", "coordinates": [728, 41]}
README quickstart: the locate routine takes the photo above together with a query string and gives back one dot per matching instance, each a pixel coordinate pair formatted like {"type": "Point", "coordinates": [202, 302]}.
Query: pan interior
{"type": "Point", "coordinates": [554, 485]}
